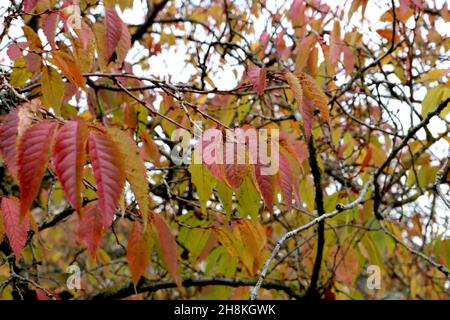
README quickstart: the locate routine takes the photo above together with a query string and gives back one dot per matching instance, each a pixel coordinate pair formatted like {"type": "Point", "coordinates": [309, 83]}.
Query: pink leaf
{"type": "Point", "coordinates": [49, 23]}
{"type": "Point", "coordinates": [15, 229]}
{"type": "Point", "coordinates": [257, 78]}
{"type": "Point", "coordinates": [113, 27]}
{"type": "Point", "coordinates": [8, 141]}
{"type": "Point", "coordinates": [29, 5]}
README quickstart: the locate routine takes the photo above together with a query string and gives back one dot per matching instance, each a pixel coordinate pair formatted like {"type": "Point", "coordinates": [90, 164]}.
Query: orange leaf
{"type": "Point", "coordinates": [151, 148]}
{"type": "Point", "coordinates": [138, 251]}
{"type": "Point", "coordinates": [168, 247]}
{"type": "Point", "coordinates": [109, 173]}
{"type": "Point", "coordinates": [313, 92]}
{"type": "Point", "coordinates": [90, 227]}
{"type": "Point", "coordinates": [296, 88]}
{"type": "Point", "coordinates": [34, 153]}
{"type": "Point", "coordinates": [296, 148]}
{"type": "Point", "coordinates": [15, 229]}
{"type": "Point", "coordinates": [69, 157]}
{"type": "Point", "coordinates": [72, 72]}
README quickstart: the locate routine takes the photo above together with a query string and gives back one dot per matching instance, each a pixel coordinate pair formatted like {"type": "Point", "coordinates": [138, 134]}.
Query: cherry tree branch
{"type": "Point", "coordinates": [339, 209]}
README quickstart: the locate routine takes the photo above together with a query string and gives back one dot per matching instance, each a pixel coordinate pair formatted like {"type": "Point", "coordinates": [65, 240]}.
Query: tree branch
{"type": "Point", "coordinates": [146, 285]}
{"type": "Point", "coordinates": [339, 208]}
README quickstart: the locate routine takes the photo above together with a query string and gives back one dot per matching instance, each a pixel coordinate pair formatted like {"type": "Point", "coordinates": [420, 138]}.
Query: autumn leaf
{"type": "Point", "coordinates": [52, 87]}
{"type": "Point", "coordinates": [8, 141]}
{"type": "Point", "coordinates": [150, 148]}
{"type": "Point", "coordinates": [168, 247]}
{"type": "Point", "coordinates": [113, 27]}
{"type": "Point", "coordinates": [69, 158]}
{"type": "Point", "coordinates": [49, 24]}
{"type": "Point", "coordinates": [135, 170]}
{"type": "Point", "coordinates": [2, 227]}
{"type": "Point", "coordinates": [313, 92]}
{"type": "Point", "coordinates": [138, 251]}
{"type": "Point", "coordinates": [296, 148]}
{"type": "Point", "coordinates": [28, 5]}
{"type": "Point", "coordinates": [204, 182]}
{"type": "Point", "coordinates": [34, 154]}
{"type": "Point", "coordinates": [248, 199]}
{"type": "Point", "coordinates": [257, 78]}
{"type": "Point", "coordinates": [72, 72]}
{"type": "Point", "coordinates": [90, 227]}
{"type": "Point", "coordinates": [286, 178]}
{"type": "Point", "coordinates": [109, 173]}
{"type": "Point", "coordinates": [296, 88]}
{"type": "Point", "coordinates": [15, 229]}
{"type": "Point", "coordinates": [124, 44]}
{"type": "Point", "coordinates": [266, 186]}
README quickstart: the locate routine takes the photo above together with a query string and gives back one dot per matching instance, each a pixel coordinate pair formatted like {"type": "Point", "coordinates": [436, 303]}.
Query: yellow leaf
{"type": "Point", "coordinates": [296, 88]}
{"type": "Point", "coordinates": [32, 37]}
{"type": "Point", "coordinates": [20, 73]}
{"type": "Point", "coordinates": [433, 97]}
{"type": "Point", "coordinates": [52, 87]}
{"type": "Point", "coordinates": [135, 170]}
{"type": "Point", "coordinates": [432, 75]}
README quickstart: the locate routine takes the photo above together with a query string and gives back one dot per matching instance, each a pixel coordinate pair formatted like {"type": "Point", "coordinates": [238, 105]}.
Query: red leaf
{"type": "Point", "coordinates": [335, 49]}
{"type": "Point", "coordinates": [108, 172]}
{"type": "Point", "coordinates": [211, 146]}
{"type": "Point", "coordinates": [138, 251]}
{"type": "Point", "coordinates": [90, 228]}
{"type": "Point", "coordinates": [264, 40]}
{"type": "Point", "coordinates": [43, 295]}
{"type": "Point", "coordinates": [29, 5]}
{"type": "Point", "coordinates": [124, 44]}
{"type": "Point", "coordinates": [286, 178]}
{"type": "Point", "coordinates": [15, 229]}
{"type": "Point", "coordinates": [307, 118]}
{"type": "Point", "coordinates": [34, 153]}
{"type": "Point", "coordinates": [296, 8]}
{"type": "Point", "coordinates": [14, 52]}
{"type": "Point", "coordinates": [296, 148]}
{"type": "Point", "coordinates": [236, 166]}
{"type": "Point", "coordinates": [266, 185]}
{"type": "Point", "coordinates": [257, 78]}
{"type": "Point", "coordinates": [349, 59]}
{"type": "Point", "coordinates": [168, 247]}
{"type": "Point", "coordinates": [49, 23]}
{"type": "Point", "coordinates": [69, 157]}
{"type": "Point", "coordinates": [8, 141]}
{"type": "Point", "coordinates": [280, 45]}
{"type": "Point", "coordinates": [113, 27]}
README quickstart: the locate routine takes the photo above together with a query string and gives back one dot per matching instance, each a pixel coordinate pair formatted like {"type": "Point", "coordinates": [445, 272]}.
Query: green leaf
{"type": "Point", "coordinates": [226, 197]}
{"type": "Point", "coordinates": [204, 181]}
{"type": "Point", "coordinates": [248, 199]}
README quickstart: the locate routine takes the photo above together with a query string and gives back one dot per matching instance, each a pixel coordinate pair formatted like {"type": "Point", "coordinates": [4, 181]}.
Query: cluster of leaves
{"type": "Point", "coordinates": [89, 146]}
